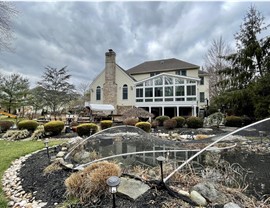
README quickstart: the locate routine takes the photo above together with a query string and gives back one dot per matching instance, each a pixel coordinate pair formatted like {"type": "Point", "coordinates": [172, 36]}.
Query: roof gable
{"type": "Point", "coordinates": [161, 65]}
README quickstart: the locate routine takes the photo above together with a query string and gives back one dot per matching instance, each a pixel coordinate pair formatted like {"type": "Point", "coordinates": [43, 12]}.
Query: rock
{"type": "Point", "coordinates": [132, 188]}
{"type": "Point", "coordinates": [69, 166]}
{"type": "Point", "coordinates": [198, 198]}
{"type": "Point", "coordinates": [11, 204]}
{"type": "Point", "coordinates": [209, 191]}
{"type": "Point", "coordinates": [231, 205]}
{"type": "Point", "coordinates": [61, 154]}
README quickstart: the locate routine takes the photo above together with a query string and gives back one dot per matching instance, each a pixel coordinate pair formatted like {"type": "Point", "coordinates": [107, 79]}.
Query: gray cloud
{"type": "Point", "coordinates": [77, 34]}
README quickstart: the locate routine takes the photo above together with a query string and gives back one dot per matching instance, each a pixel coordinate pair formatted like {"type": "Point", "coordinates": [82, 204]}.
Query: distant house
{"type": "Point", "coordinates": [163, 87]}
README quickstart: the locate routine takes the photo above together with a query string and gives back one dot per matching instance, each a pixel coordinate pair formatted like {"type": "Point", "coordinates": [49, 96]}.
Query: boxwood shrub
{"type": "Point", "coordinates": [29, 125]}
{"type": "Point", "coordinates": [146, 126]}
{"type": "Point", "coordinates": [54, 127]}
{"type": "Point", "coordinates": [233, 121]}
{"type": "Point", "coordinates": [106, 124]}
{"type": "Point", "coordinates": [180, 121]}
{"type": "Point", "coordinates": [161, 119]}
{"type": "Point", "coordinates": [84, 129]}
{"type": "Point", "coordinates": [170, 124]}
{"type": "Point", "coordinates": [5, 125]}
{"type": "Point", "coordinates": [194, 122]}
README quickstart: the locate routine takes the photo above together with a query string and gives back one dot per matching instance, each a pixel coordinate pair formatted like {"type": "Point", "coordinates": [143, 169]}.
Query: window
{"type": "Point", "coordinates": [180, 90]}
{"type": "Point", "coordinates": [168, 81]}
{"type": "Point", "coordinates": [182, 72]}
{"type": "Point", "coordinates": [125, 92]}
{"type": "Point", "coordinates": [158, 91]}
{"type": "Point", "coordinates": [159, 81]}
{"type": "Point", "coordinates": [98, 93]}
{"type": "Point", "coordinates": [139, 92]}
{"type": "Point", "coordinates": [179, 81]}
{"type": "Point", "coordinates": [148, 92]}
{"type": "Point", "coordinates": [149, 82]}
{"type": "Point", "coordinates": [191, 90]}
{"type": "Point", "coordinates": [202, 97]}
{"type": "Point", "coordinates": [154, 73]}
{"type": "Point", "coordinates": [202, 81]}
{"type": "Point", "coordinates": [168, 91]}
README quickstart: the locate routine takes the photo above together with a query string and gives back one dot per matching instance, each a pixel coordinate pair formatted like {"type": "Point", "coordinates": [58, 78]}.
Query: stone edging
{"type": "Point", "coordinates": [12, 187]}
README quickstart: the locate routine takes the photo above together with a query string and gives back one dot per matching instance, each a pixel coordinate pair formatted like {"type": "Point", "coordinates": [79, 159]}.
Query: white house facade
{"type": "Point", "coordinates": [164, 87]}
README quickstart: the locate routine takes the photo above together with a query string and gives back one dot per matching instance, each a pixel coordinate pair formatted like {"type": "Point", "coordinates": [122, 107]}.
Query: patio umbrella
{"type": "Point", "coordinates": [137, 113]}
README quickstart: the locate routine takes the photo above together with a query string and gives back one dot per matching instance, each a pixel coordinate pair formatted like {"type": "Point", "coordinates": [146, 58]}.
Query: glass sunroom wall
{"type": "Point", "coordinates": [166, 89]}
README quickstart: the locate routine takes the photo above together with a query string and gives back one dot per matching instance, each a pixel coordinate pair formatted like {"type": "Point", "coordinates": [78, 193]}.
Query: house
{"type": "Point", "coordinates": [163, 87]}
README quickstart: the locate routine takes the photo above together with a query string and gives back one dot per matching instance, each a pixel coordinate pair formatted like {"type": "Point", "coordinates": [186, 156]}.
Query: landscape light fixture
{"type": "Point", "coordinates": [46, 142]}
{"type": "Point", "coordinates": [91, 131]}
{"type": "Point", "coordinates": [160, 160]}
{"type": "Point", "coordinates": [113, 182]}
{"type": "Point", "coordinates": [261, 134]}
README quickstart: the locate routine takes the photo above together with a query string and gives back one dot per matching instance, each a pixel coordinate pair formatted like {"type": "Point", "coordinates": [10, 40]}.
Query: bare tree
{"type": "Point", "coordinates": [214, 62]}
{"type": "Point", "coordinates": [7, 13]}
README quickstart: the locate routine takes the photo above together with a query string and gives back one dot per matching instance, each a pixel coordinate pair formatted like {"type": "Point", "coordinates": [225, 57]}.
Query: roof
{"type": "Point", "coordinates": [100, 107]}
{"type": "Point", "coordinates": [161, 65]}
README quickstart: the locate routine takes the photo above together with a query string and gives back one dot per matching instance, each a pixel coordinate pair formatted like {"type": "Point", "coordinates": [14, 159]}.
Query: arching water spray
{"type": "Point", "coordinates": [207, 147]}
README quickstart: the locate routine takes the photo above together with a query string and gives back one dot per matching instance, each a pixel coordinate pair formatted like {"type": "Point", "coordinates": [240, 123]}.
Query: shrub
{"type": "Point", "coordinates": [74, 123]}
{"type": "Point", "coordinates": [180, 121]}
{"type": "Point", "coordinates": [106, 124]}
{"type": "Point", "coordinates": [246, 120]}
{"type": "Point", "coordinates": [154, 124]}
{"type": "Point", "coordinates": [170, 124]}
{"type": "Point", "coordinates": [5, 125]}
{"type": "Point", "coordinates": [146, 126]}
{"type": "Point", "coordinates": [84, 129]}
{"type": "Point", "coordinates": [194, 122]}
{"type": "Point", "coordinates": [54, 127]}
{"type": "Point", "coordinates": [30, 125]}
{"type": "Point", "coordinates": [233, 121]}
{"type": "Point", "coordinates": [161, 119]}
{"type": "Point", "coordinates": [91, 181]}
{"type": "Point", "coordinates": [215, 119]}
{"type": "Point", "coordinates": [130, 121]}
{"type": "Point", "coordinates": [38, 133]}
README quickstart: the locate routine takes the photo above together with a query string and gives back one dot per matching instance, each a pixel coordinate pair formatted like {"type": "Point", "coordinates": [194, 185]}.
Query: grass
{"type": "Point", "coordinates": [9, 151]}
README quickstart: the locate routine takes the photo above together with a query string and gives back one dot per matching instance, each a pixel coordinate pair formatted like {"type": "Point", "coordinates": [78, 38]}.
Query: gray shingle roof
{"type": "Point", "coordinates": [161, 66]}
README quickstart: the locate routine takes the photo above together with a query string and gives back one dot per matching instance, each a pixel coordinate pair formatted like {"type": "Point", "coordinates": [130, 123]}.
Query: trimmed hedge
{"type": "Point", "coordinates": [106, 124]}
{"type": "Point", "coordinates": [194, 122]}
{"type": "Point", "coordinates": [84, 129]}
{"type": "Point", "coordinates": [170, 124]}
{"type": "Point", "coordinates": [146, 126]}
{"type": "Point", "coordinates": [233, 121]}
{"type": "Point", "coordinates": [5, 125]}
{"type": "Point", "coordinates": [180, 121]}
{"type": "Point", "coordinates": [161, 119]}
{"type": "Point", "coordinates": [29, 125]}
{"type": "Point", "coordinates": [54, 127]}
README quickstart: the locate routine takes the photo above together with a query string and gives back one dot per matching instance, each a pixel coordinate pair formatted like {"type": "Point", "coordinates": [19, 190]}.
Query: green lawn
{"type": "Point", "coordinates": [9, 151]}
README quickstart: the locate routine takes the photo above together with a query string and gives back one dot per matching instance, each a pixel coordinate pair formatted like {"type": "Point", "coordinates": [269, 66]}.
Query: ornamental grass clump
{"type": "Point", "coordinates": [106, 124]}
{"type": "Point", "coordinates": [5, 125]}
{"type": "Point", "coordinates": [84, 129]}
{"type": "Point", "coordinates": [130, 121]}
{"type": "Point", "coordinates": [180, 121]}
{"type": "Point", "coordinates": [13, 135]}
{"type": "Point", "coordinates": [54, 127]}
{"type": "Point", "coordinates": [39, 133]}
{"type": "Point", "coordinates": [91, 182]}
{"type": "Point", "coordinates": [146, 126]}
{"type": "Point", "coordinates": [29, 125]}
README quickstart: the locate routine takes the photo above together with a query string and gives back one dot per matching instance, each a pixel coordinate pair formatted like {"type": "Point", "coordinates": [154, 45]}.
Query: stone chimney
{"type": "Point", "coordinates": [110, 87]}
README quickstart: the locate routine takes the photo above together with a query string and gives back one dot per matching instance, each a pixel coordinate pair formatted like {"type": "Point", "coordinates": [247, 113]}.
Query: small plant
{"type": "Point", "coordinates": [30, 125]}
{"type": "Point", "coordinates": [233, 121]}
{"type": "Point", "coordinates": [161, 119]}
{"type": "Point", "coordinates": [12, 135]}
{"type": "Point", "coordinates": [216, 119]}
{"type": "Point", "coordinates": [38, 133]}
{"type": "Point", "coordinates": [54, 127]}
{"type": "Point", "coordinates": [130, 121]}
{"type": "Point", "coordinates": [194, 122]}
{"type": "Point", "coordinates": [91, 181]}
{"type": "Point", "coordinates": [84, 129]}
{"type": "Point", "coordinates": [180, 121]}
{"type": "Point", "coordinates": [146, 126]}
{"type": "Point", "coordinates": [5, 125]}
{"type": "Point", "coordinates": [106, 124]}
{"type": "Point", "coordinates": [170, 124]}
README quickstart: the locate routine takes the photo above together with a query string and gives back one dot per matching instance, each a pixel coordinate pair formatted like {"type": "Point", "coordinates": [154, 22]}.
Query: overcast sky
{"type": "Point", "coordinates": [77, 34]}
